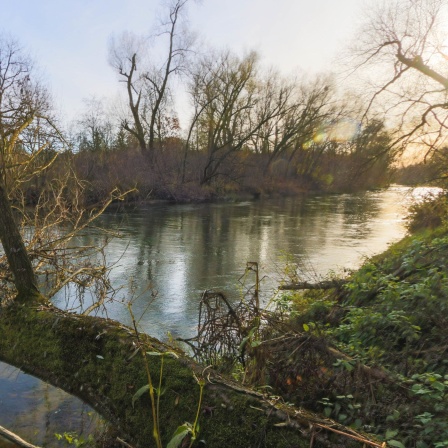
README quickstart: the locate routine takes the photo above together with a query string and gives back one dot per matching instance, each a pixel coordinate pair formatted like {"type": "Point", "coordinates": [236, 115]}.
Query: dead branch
{"type": "Point", "coordinates": [325, 284]}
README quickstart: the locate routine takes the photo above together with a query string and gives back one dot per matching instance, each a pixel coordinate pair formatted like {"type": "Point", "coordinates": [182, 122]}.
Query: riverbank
{"type": "Point", "coordinates": [209, 196]}
{"type": "Point", "coordinates": [369, 353]}
{"type": "Point", "coordinates": [91, 176]}
{"type": "Point", "coordinates": [387, 328]}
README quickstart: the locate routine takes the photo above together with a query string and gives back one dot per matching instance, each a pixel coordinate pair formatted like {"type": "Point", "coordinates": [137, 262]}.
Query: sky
{"type": "Point", "coordinates": [68, 39]}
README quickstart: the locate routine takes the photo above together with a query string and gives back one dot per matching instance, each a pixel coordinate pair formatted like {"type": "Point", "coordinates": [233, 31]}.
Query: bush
{"type": "Point", "coordinates": [428, 214]}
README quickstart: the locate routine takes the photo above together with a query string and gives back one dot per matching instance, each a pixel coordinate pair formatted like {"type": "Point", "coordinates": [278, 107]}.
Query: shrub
{"type": "Point", "coordinates": [428, 214]}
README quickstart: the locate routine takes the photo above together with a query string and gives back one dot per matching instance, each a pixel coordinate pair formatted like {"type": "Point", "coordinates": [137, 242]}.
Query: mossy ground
{"type": "Point", "coordinates": [93, 358]}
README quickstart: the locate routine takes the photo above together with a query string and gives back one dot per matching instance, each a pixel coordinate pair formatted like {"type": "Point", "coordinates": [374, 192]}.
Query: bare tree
{"type": "Point", "coordinates": [149, 91]}
{"type": "Point", "coordinates": [94, 128]}
{"type": "Point", "coordinates": [97, 358]}
{"type": "Point", "coordinates": [234, 105]}
{"type": "Point", "coordinates": [40, 194]}
{"type": "Point", "coordinates": [123, 58]}
{"type": "Point", "coordinates": [312, 107]}
{"type": "Point", "coordinates": [404, 48]}
{"type": "Point", "coordinates": [179, 45]}
{"type": "Point", "coordinates": [22, 101]}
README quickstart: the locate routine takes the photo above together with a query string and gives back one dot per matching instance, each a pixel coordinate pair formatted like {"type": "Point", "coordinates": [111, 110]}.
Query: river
{"type": "Point", "coordinates": [167, 255]}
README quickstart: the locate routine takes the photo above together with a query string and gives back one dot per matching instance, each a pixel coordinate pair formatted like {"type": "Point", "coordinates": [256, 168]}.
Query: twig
{"type": "Point", "coordinates": [15, 438]}
{"type": "Point", "coordinates": [126, 444]}
{"type": "Point", "coordinates": [325, 284]}
{"type": "Point", "coordinates": [352, 436]}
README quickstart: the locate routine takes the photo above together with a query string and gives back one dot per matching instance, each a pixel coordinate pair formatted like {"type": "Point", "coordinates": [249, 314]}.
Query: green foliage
{"type": "Point", "coordinates": [372, 334]}
{"type": "Point", "coordinates": [74, 439]}
{"type": "Point", "coordinates": [180, 434]}
{"type": "Point", "coordinates": [139, 393]}
{"type": "Point", "coordinates": [396, 444]}
{"type": "Point", "coordinates": [396, 316]}
{"type": "Point", "coordinates": [344, 409]}
{"type": "Point", "coordinates": [188, 430]}
{"type": "Point", "coordinates": [308, 310]}
{"type": "Point", "coordinates": [284, 304]}
{"type": "Point", "coordinates": [391, 315]}
{"type": "Point", "coordinates": [430, 213]}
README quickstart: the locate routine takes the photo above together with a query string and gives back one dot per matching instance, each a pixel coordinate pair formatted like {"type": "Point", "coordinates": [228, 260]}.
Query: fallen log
{"type": "Point", "coordinates": [100, 361]}
{"type": "Point", "coordinates": [325, 284]}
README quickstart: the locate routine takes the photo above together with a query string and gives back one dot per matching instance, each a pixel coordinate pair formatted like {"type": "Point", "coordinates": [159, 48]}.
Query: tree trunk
{"type": "Point", "coordinates": [138, 132]}
{"type": "Point", "coordinates": [18, 259]}
{"type": "Point", "coordinates": [101, 361]}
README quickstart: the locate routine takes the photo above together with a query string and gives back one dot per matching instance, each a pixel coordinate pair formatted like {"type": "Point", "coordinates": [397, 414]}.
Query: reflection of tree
{"type": "Point", "coordinates": [37, 410]}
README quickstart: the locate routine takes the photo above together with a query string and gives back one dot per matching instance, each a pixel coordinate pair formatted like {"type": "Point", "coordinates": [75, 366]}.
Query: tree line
{"type": "Point", "coordinates": [248, 128]}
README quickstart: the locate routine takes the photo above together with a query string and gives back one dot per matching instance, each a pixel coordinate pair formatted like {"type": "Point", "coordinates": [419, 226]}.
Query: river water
{"type": "Point", "coordinates": [36, 411]}
{"type": "Point", "coordinates": [167, 255]}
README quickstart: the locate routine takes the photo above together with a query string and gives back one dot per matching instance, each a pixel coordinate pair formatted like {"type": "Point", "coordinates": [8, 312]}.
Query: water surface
{"type": "Point", "coordinates": [36, 411]}
{"type": "Point", "coordinates": [169, 254]}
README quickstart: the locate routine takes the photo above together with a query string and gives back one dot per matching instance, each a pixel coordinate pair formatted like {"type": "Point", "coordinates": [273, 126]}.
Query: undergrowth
{"type": "Point", "coordinates": [390, 319]}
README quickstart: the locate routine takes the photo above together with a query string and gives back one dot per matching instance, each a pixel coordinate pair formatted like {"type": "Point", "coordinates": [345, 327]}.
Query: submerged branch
{"type": "Point", "coordinates": [15, 438]}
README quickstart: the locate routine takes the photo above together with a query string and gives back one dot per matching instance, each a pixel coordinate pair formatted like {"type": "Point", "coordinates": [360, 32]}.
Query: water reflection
{"type": "Point", "coordinates": [35, 411]}
{"type": "Point", "coordinates": [175, 252]}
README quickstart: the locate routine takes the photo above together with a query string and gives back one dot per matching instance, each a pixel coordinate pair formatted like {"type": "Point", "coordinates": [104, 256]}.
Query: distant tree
{"type": "Point", "coordinates": [65, 348]}
{"type": "Point", "coordinates": [422, 173]}
{"type": "Point", "coordinates": [148, 91]}
{"type": "Point", "coordinates": [122, 140]}
{"type": "Point", "coordinates": [94, 129]}
{"type": "Point", "coordinates": [276, 134]}
{"type": "Point", "coordinates": [234, 105]}
{"type": "Point", "coordinates": [316, 108]}
{"type": "Point", "coordinates": [123, 58]}
{"type": "Point", "coordinates": [157, 79]}
{"type": "Point", "coordinates": [200, 99]}
{"type": "Point", "coordinates": [368, 157]}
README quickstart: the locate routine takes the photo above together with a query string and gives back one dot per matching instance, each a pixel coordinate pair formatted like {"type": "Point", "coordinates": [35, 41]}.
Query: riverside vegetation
{"type": "Point", "coordinates": [386, 332]}
{"type": "Point", "coordinates": [48, 194]}
{"type": "Point", "coordinates": [359, 362]}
